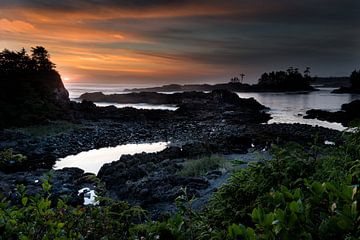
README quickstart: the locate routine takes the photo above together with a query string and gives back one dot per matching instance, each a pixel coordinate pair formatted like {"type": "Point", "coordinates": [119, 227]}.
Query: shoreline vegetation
{"type": "Point", "coordinates": [290, 80]}
{"type": "Point", "coordinates": [355, 84]}
{"type": "Point", "coordinates": [304, 188]}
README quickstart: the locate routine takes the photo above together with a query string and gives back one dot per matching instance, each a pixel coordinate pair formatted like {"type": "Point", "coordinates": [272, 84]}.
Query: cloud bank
{"type": "Point", "coordinates": [166, 41]}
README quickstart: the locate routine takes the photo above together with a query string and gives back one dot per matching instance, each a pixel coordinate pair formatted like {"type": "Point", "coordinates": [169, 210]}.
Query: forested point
{"type": "Point", "coordinates": [289, 79]}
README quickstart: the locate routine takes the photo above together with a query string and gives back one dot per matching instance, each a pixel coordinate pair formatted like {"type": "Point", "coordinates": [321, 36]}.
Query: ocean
{"type": "Point", "coordinates": [284, 107]}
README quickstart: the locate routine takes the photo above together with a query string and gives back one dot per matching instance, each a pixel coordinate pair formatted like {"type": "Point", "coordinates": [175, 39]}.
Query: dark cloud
{"type": "Point", "coordinates": [260, 34]}
{"type": "Point", "coordinates": [90, 4]}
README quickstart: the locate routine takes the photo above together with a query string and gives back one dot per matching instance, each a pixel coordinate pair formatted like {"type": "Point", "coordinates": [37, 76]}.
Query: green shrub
{"type": "Point", "coordinates": [200, 166]}
{"type": "Point", "coordinates": [8, 159]}
{"type": "Point", "coordinates": [304, 192]}
{"type": "Point", "coordinates": [36, 218]}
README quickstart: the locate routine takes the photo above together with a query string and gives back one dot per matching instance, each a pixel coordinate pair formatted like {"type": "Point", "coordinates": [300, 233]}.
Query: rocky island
{"type": "Point", "coordinates": [354, 88]}
{"type": "Point", "coordinates": [290, 80]}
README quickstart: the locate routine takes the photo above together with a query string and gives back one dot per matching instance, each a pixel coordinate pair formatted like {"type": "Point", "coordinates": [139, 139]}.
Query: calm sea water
{"type": "Point", "coordinates": [284, 107]}
{"type": "Point", "coordinates": [291, 107]}
{"type": "Point", "coordinates": [76, 89]}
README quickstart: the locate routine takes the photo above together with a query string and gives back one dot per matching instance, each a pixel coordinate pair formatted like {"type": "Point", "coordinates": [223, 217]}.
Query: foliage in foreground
{"type": "Point", "coordinates": [37, 217]}
{"type": "Point", "coordinates": [303, 193]}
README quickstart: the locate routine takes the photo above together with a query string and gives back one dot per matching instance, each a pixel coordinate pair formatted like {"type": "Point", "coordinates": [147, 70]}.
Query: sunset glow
{"type": "Point", "coordinates": [167, 42]}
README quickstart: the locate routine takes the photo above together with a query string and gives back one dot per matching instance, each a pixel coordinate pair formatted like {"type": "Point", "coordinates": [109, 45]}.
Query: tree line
{"type": "Point", "coordinates": [355, 79]}
{"type": "Point", "coordinates": [21, 62]}
{"type": "Point", "coordinates": [291, 78]}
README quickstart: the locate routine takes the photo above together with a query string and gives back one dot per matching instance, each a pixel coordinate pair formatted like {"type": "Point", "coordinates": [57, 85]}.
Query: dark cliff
{"type": "Point", "coordinates": [33, 97]}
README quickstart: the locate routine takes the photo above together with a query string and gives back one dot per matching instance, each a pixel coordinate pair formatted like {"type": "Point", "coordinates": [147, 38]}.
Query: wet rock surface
{"type": "Point", "coordinates": [220, 123]}
{"type": "Point", "coordinates": [147, 179]}
{"type": "Point", "coordinates": [349, 113]}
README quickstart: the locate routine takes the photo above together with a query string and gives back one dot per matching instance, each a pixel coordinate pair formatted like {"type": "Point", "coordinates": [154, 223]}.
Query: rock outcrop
{"type": "Point", "coordinates": [350, 90]}
{"type": "Point", "coordinates": [32, 98]}
{"type": "Point", "coordinates": [349, 113]}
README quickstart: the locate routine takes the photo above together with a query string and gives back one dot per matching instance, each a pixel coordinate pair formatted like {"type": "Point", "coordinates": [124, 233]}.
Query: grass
{"type": "Point", "coordinates": [202, 165]}
{"type": "Point", "coordinates": [51, 129]}
{"type": "Point", "coordinates": [7, 155]}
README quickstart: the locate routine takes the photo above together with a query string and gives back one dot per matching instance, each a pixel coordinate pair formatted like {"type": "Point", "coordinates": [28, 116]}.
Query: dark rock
{"type": "Point", "coordinates": [237, 87]}
{"type": "Point", "coordinates": [347, 90]}
{"type": "Point", "coordinates": [132, 178]}
{"type": "Point", "coordinates": [64, 184]}
{"type": "Point", "coordinates": [31, 98]}
{"type": "Point", "coordinates": [349, 113]}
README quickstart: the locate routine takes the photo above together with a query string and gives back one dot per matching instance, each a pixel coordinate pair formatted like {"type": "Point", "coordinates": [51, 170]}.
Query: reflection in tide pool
{"type": "Point", "coordinates": [91, 161]}
{"type": "Point", "coordinates": [291, 107]}
{"type": "Point", "coordinates": [89, 196]}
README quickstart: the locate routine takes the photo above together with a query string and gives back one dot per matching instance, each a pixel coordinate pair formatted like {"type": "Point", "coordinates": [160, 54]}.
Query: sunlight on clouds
{"type": "Point", "coordinates": [115, 69]}
{"type": "Point", "coordinates": [178, 40]}
{"type": "Point", "coordinates": [15, 26]}
{"type": "Point", "coordinates": [70, 35]}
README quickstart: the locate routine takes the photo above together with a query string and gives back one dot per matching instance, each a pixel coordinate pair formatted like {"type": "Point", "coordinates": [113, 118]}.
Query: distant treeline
{"type": "Point", "coordinates": [289, 79]}
{"type": "Point", "coordinates": [355, 79]}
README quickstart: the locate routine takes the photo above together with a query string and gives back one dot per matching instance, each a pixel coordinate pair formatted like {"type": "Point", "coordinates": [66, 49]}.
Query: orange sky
{"type": "Point", "coordinates": [166, 41]}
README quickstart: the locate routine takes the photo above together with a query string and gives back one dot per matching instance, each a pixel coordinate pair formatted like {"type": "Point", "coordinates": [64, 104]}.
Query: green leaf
{"type": "Point", "coordinates": [268, 219]}
{"type": "Point", "coordinates": [317, 187]}
{"type": "Point", "coordinates": [297, 193]}
{"type": "Point", "coordinates": [251, 234]}
{"type": "Point", "coordinates": [280, 215]}
{"type": "Point", "coordinates": [343, 224]}
{"type": "Point", "coordinates": [235, 231]}
{"type": "Point", "coordinates": [60, 225]}
{"type": "Point", "coordinates": [257, 215]}
{"type": "Point", "coordinates": [293, 207]}
{"type": "Point", "coordinates": [46, 186]}
{"type": "Point", "coordinates": [24, 201]}
{"type": "Point", "coordinates": [354, 209]}
{"type": "Point", "coordinates": [239, 162]}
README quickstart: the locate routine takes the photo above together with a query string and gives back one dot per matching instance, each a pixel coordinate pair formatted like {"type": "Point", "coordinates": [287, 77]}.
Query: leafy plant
{"type": "Point", "coordinates": [303, 192]}
{"type": "Point", "coordinates": [9, 159]}
{"type": "Point", "coordinates": [36, 217]}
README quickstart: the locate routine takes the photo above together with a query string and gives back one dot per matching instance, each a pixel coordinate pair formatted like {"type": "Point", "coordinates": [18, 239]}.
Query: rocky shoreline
{"type": "Point", "coordinates": [226, 139]}
{"type": "Point", "coordinates": [215, 123]}
{"type": "Point", "coordinates": [348, 114]}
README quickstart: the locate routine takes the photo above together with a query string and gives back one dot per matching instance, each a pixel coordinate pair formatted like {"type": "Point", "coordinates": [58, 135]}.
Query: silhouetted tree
{"type": "Point", "coordinates": [242, 75]}
{"type": "Point", "coordinates": [12, 62]}
{"type": "Point", "coordinates": [234, 80]}
{"type": "Point", "coordinates": [355, 79]}
{"type": "Point", "coordinates": [41, 56]}
{"type": "Point", "coordinates": [15, 62]}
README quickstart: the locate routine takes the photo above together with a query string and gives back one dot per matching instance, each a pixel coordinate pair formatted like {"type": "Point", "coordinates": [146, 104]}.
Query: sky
{"type": "Point", "coordinates": [185, 41]}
